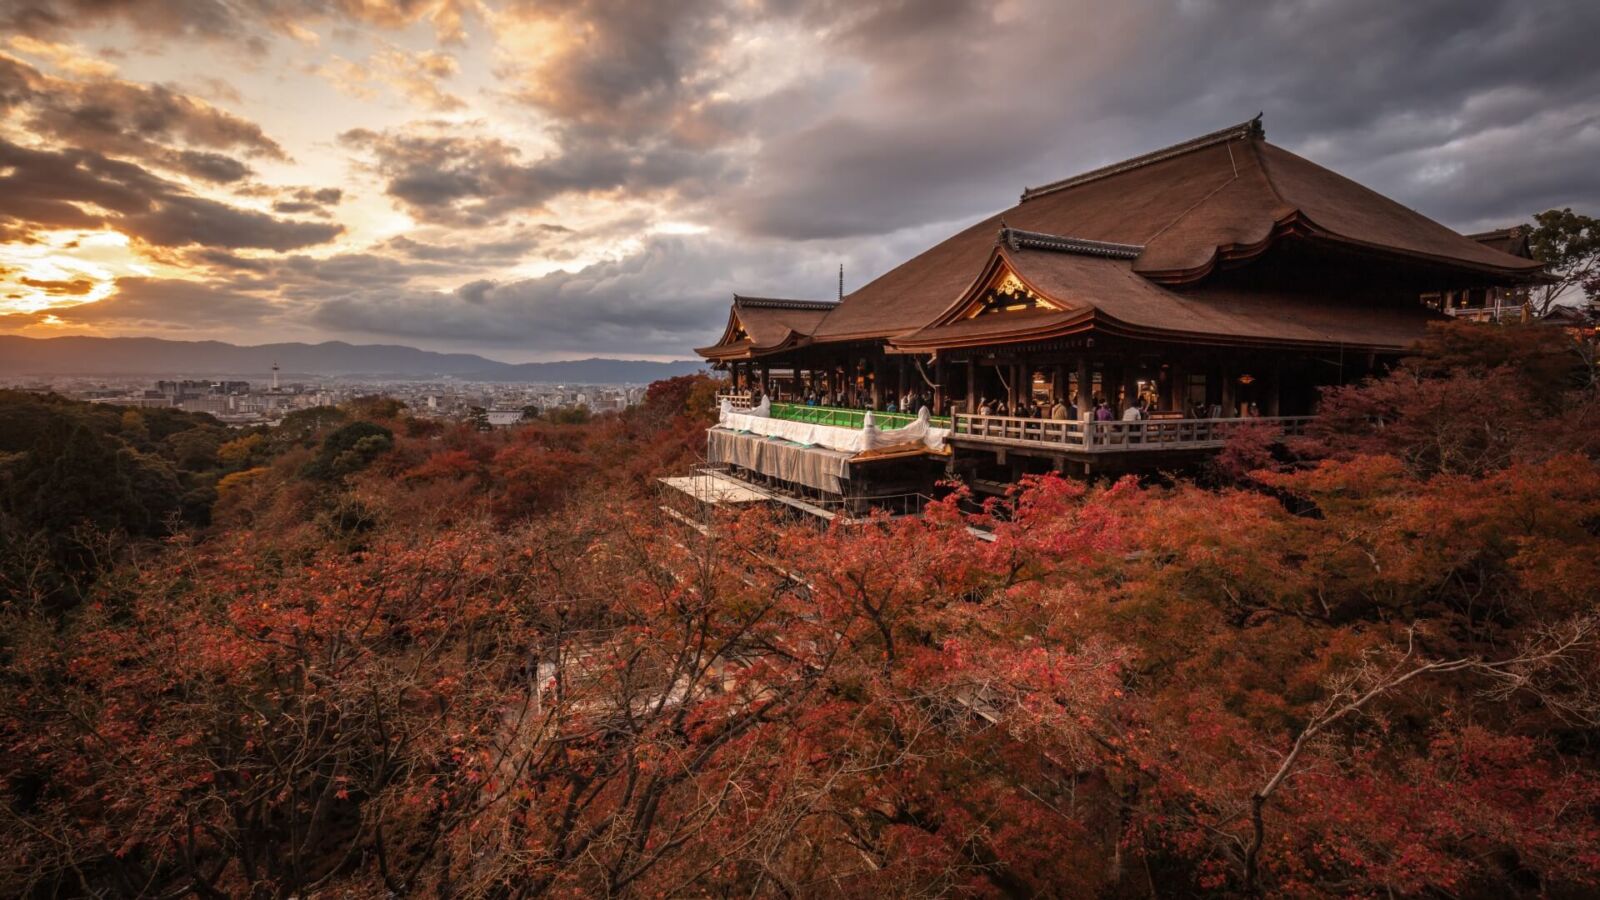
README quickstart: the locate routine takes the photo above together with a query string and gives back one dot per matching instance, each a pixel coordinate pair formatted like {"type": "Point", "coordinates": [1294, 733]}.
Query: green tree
{"type": "Point", "coordinates": [1569, 245]}
{"type": "Point", "coordinates": [350, 449]}
{"type": "Point", "coordinates": [300, 426]}
{"type": "Point", "coordinates": [134, 431]}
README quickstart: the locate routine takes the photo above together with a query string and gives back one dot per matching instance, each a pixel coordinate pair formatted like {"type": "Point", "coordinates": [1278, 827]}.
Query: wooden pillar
{"type": "Point", "coordinates": [1130, 387]}
{"type": "Point", "coordinates": [1229, 400]}
{"type": "Point", "coordinates": [1085, 387]}
{"type": "Point", "coordinates": [766, 380]}
{"type": "Point", "coordinates": [1058, 383]}
{"type": "Point", "coordinates": [971, 404]}
{"type": "Point", "coordinates": [938, 385]}
{"type": "Point", "coordinates": [877, 381]}
{"type": "Point", "coordinates": [1274, 388]}
{"type": "Point", "coordinates": [1177, 387]}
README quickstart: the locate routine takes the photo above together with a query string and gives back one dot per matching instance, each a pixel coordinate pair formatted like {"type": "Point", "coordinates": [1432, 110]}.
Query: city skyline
{"type": "Point", "coordinates": [574, 179]}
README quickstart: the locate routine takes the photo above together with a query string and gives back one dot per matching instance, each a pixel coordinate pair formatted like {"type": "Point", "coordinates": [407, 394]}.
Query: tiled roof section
{"type": "Point", "coordinates": [1241, 131]}
{"type": "Point", "coordinates": [1017, 239]}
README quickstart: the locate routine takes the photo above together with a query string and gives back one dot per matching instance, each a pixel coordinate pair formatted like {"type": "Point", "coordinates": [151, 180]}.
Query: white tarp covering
{"type": "Point", "coordinates": [849, 440]}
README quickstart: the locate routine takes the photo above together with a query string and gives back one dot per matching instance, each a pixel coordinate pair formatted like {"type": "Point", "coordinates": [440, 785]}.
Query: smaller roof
{"type": "Point", "coordinates": [1513, 240]}
{"type": "Point", "coordinates": [761, 325]}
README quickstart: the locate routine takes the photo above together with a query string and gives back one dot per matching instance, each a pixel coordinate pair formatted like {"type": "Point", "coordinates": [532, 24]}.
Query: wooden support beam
{"type": "Point", "coordinates": [1230, 406]}
{"type": "Point", "coordinates": [1085, 388]}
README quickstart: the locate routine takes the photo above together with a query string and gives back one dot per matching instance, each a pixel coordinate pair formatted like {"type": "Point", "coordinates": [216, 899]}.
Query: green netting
{"type": "Point", "coordinates": [846, 418]}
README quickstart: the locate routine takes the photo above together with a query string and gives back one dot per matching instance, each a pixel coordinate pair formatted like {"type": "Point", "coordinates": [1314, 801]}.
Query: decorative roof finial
{"type": "Point", "coordinates": [841, 282]}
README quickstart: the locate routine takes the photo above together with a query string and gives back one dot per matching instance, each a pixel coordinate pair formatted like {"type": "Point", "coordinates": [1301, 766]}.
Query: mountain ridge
{"type": "Point", "coordinates": [85, 355]}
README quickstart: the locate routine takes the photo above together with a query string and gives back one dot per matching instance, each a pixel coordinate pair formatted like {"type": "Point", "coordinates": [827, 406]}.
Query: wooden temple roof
{"type": "Point", "coordinates": [758, 325]}
{"type": "Point", "coordinates": [1170, 218]}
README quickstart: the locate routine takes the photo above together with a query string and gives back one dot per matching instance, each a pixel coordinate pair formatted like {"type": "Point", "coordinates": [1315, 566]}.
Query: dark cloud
{"type": "Point", "coordinates": [76, 287]}
{"type": "Point", "coordinates": [1475, 112]}
{"type": "Point", "coordinates": [80, 189]}
{"type": "Point", "coordinates": [213, 167]}
{"type": "Point", "coordinates": [473, 181]}
{"type": "Point", "coordinates": [511, 249]}
{"type": "Point", "coordinates": [664, 299]}
{"type": "Point", "coordinates": [236, 21]}
{"type": "Point", "coordinates": [143, 122]}
{"type": "Point", "coordinates": [628, 68]}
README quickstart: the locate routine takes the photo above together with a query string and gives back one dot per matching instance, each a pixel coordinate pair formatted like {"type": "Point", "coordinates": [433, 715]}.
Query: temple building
{"type": "Point", "coordinates": [1214, 283]}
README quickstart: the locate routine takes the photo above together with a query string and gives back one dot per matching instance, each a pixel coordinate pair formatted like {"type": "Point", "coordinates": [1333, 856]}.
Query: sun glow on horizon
{"type": "Point", "coordinates": [66, 268]}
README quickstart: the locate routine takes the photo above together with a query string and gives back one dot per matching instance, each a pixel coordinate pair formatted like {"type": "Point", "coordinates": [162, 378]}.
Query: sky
{"type": "Point", "coordinates": [553, 179]}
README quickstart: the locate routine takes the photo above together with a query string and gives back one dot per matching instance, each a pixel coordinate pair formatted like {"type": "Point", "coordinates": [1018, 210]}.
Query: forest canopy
{"type": "Point", "coordinates": [365, 654]}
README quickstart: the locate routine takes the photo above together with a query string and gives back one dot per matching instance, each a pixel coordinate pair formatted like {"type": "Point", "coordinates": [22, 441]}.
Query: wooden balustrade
{"type": "Point", "coordinates": [738, 399]}
{"type": "Point", "coordinates": [1117, 436]}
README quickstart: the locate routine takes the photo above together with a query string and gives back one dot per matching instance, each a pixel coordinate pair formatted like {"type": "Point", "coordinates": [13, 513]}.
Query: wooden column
{"type": "Point", "coordinates": [1274, 388]}
{"type": "Point", "coordinates": [1058, 383]}
{"type": "Point", "coordinates": [1130, 387]}
{"type": "Point", "coordinates": [938, 385]}
{"type": "Point", "coordinates": [877, 381]}
{"type": "Point", "coordinates": [1177, 387]}
{"type": "Point", "coordinates": [971, 404]}
{"type": "Point", "coordinates": [766, 380]}
{"type": "Point", "coordinates": [1085, 387]}
{"type": "Point", "coordinates": [1229, 399]}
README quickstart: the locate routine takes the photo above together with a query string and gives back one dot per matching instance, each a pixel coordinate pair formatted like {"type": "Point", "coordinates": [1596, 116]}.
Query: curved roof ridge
{"type": "Point", "coordinates": [781, 303]}
{"type": "Point", "coordinates": [1241, 131]}
{"type": "Point", "coordinates": [1017, 239]}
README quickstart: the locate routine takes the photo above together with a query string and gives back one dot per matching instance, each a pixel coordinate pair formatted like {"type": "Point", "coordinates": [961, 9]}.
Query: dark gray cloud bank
{"type": "Point", "coordinates": [919, 116]}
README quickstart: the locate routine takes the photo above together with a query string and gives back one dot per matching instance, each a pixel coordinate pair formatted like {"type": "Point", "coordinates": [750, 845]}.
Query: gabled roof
{"type": "Point", "coordinates": [1223, 197]}
{"type": "Point", "coordinates": [1104, 294]}
{"type": "Point", "coordinates": [1513, 240]}
{"type": "Point", "coordinates": [758, 325]}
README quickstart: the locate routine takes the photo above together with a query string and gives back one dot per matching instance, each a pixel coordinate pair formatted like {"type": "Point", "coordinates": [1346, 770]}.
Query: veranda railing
{"type": "Point", "coordinates": [1091, 436]}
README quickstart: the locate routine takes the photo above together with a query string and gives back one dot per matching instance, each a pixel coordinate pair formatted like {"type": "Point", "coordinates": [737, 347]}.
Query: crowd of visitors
{"type": "Point", "coordinates": [1070, 408]}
